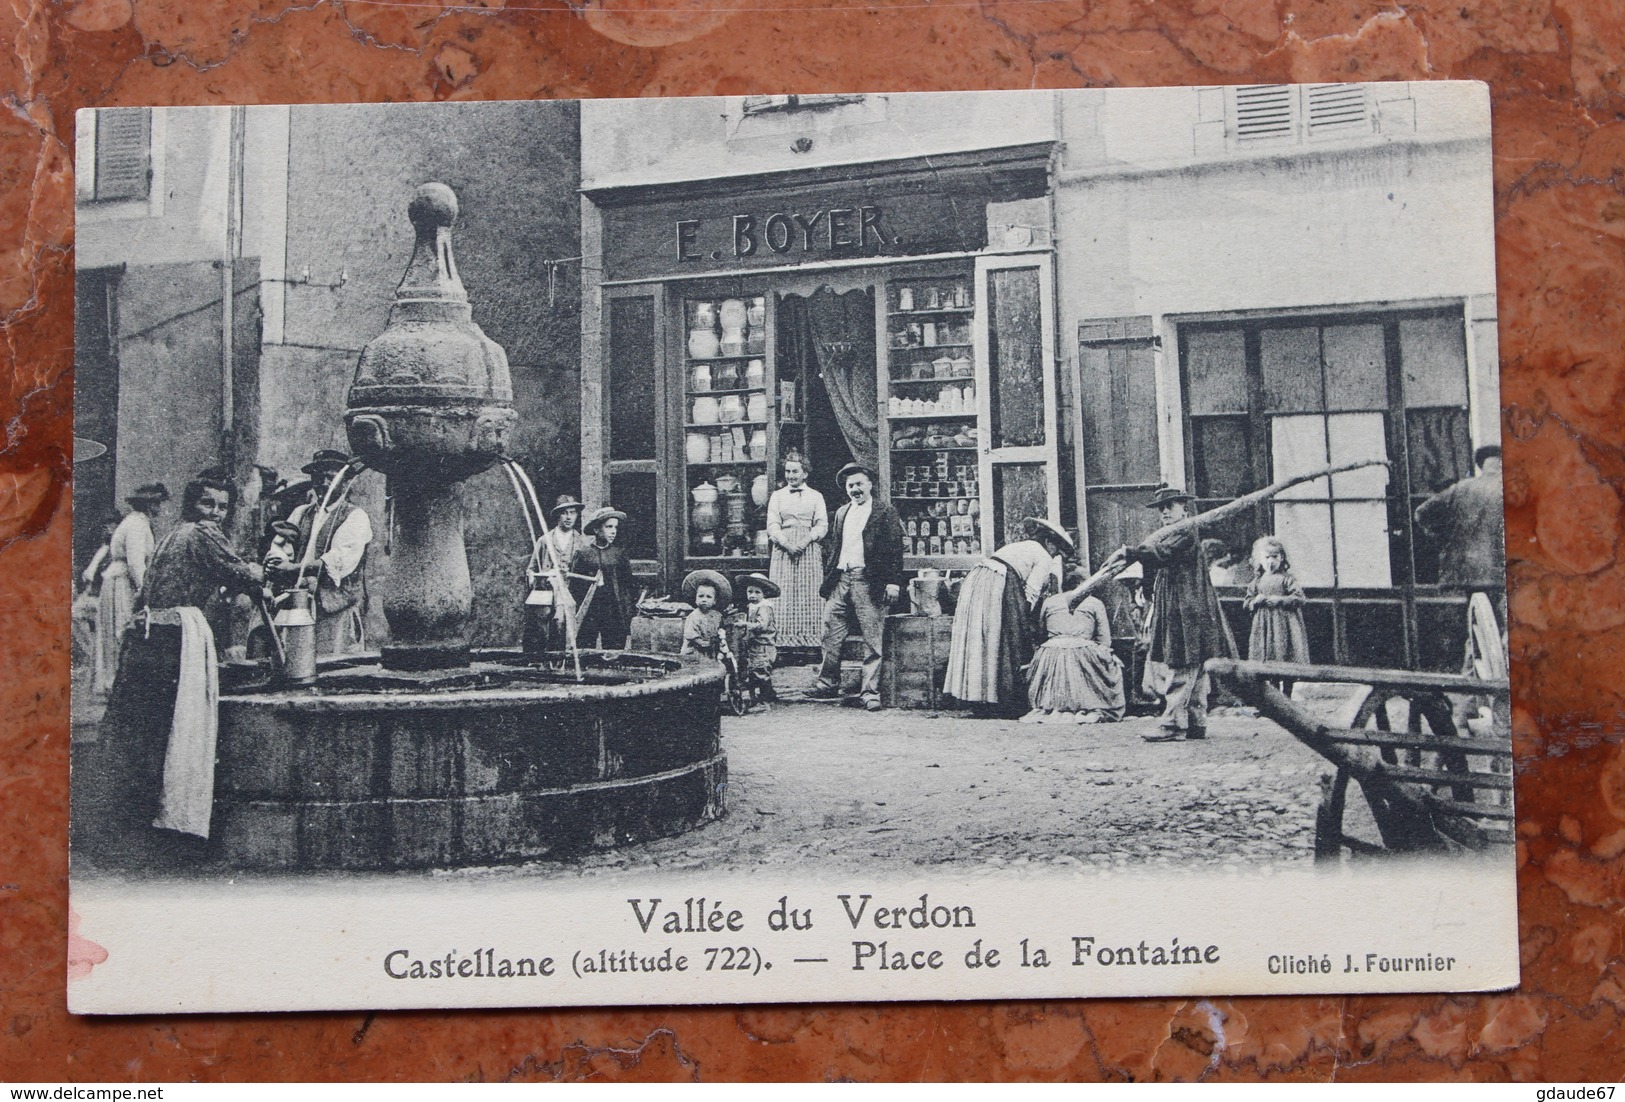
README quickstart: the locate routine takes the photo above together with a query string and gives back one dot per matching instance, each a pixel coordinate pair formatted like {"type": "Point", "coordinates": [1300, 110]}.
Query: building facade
{"type": "Point", "coordinates": [1046, 303]}
{"type": "Point", "coordinates": [301, 213]}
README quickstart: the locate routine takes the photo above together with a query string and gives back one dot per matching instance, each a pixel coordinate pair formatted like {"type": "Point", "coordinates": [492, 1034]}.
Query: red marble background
{"type": "Point", "coordinates": [1555, 70]}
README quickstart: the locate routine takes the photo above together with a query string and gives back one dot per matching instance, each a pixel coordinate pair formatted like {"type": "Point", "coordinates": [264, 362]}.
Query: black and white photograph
{"type": "Point", "coordinates": [784, 548]}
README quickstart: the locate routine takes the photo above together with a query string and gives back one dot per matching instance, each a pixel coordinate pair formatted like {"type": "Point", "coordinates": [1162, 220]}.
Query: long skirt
{"type": "Point", "coordinates": [992, 639]}
{"type": "Point", "coordinates": [800, 615]}
{"type": "Point", "coordinates": [114, 611]}
{"type": "Point", "coordinates": [1278, 635]}
{"type": "Point", "coordinates": [1076, 677]}
{"type": "Point", "coordinates": [135, 728]}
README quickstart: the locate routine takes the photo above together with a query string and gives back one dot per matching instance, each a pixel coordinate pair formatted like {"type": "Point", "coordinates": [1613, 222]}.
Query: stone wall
{"type": "Point", "coordinates": [351, 172]}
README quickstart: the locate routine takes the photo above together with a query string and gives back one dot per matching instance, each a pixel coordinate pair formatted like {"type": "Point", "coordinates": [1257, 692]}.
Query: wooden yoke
{"type": "Point", "coordinates": [1115, 565]}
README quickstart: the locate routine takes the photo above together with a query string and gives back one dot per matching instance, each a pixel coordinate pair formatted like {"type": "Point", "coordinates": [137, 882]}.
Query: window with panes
{"type": "Point", "coordinates": [1269, 398]}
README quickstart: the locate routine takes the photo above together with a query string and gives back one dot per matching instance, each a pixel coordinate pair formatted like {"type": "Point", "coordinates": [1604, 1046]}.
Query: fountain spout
{"type": "Point", "coordinates": [431, 405]}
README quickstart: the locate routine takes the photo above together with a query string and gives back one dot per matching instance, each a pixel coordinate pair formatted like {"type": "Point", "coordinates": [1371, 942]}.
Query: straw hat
{"type": "Point", "coordinates": [760, 581]}
{"type": "Point", "coordinates": [1038, 526]}
{"type": "Point", "coordinates": [565, 501]}
{"type": "Point", "coordinates": [697, 578]}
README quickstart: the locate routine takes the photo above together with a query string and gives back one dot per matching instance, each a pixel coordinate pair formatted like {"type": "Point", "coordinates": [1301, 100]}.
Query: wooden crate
{"type": "Point", "coordinates": [916, 661]}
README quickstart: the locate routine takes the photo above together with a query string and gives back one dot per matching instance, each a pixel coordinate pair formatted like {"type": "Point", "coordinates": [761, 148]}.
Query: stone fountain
{"type": "Point", "coordinates": [439, 755]}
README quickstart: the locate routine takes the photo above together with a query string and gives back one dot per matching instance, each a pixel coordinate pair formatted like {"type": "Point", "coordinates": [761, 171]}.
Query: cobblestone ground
{"type": "Point", "coordinates": [843, 788]}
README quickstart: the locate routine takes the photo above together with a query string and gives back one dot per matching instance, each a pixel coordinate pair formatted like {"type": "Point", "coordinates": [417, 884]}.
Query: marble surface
{"type": "Point", "coordinates": [1555, 70]}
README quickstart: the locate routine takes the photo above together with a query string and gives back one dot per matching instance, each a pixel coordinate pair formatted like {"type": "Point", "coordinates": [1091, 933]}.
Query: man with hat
{"type": "Point", "coordinates": [863, 576]}
{"type": "Point", "coordinates": [608, 618]}
{"type": "Point", "coordinates": [1187, 625]}
{"type": "Point", "coordinates": [128, 553]}
{"type": "Point", "coordinates": [333, 541]}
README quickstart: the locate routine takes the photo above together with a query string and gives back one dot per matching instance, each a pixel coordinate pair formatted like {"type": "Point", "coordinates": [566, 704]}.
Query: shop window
{"type": "Point", "coordinates": [118, 162]}
{"type": "Point", "coordinates": [728, 424]}
{"type": "Point", "coordinates": [1015, 358]}
{"type": "Point", "coordinates": [761, 105]}
{"type": "Point", "coordinates": [631, 398]}
{"type": "Point", "coordinates": [932, 414]}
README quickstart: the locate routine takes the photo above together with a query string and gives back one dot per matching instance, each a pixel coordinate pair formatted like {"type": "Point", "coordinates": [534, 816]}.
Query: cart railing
{"type": "Point", "coordinates": [1401, 773]}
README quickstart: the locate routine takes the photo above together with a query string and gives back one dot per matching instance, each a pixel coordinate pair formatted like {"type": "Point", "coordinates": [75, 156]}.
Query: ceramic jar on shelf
{"type": "Point", "coordinates": [706, 411]}
{"type": "Point", "coordinates": [699, 378]}
{"type": "Point", "coordinates": [726, 484]}
{"type": "Point", "coordinates": [697, 447]}
{"type": "Point", "coordinates": [758, 444]}
{"type": "Point", "coordinates": [702, 343]}
{"type": "Point", "coordinates": [755, 374]}
{"type": "Point", "coordinates": [756, 407]}
{"type": "Point", "coordinates": [730, 409]}
{"type": "Point", "coordinates": [732, 315]}
{"type": "Point", "coordinates": [703, 514]}
{"type": "Point", "coordinates": [758, 491]}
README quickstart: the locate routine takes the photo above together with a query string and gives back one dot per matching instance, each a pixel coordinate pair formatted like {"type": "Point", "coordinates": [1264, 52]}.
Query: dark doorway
{"type": "Point", "coordinates": [827, 340]}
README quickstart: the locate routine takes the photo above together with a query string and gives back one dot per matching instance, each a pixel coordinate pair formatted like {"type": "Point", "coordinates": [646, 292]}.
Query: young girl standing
{"type": "Point", "coordinates": [1276, 601]}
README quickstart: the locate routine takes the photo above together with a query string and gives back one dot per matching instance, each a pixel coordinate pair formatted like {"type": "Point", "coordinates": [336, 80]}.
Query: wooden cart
{"type": "Point", "coordinates": [1433, 783]}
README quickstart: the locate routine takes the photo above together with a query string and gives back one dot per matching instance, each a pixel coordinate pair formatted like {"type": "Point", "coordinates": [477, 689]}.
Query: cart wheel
{"type": "Point", "coordinates": [734, 693]}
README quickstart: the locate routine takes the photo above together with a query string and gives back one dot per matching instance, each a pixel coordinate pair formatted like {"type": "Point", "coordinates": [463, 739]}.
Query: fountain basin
{"type": "Point", "coordinates": [498, 762]}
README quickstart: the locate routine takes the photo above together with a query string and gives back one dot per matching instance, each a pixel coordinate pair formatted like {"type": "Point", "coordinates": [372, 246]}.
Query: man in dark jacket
{"type": "Point", "coordinates": [1468, 521]}
{"type": "Point", "coordinates": [1187, 626]}
{"type": "Point", "coordinates": [863, 577]}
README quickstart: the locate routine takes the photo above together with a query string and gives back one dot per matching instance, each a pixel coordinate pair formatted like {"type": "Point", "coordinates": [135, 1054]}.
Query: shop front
{"type": "Point", "coordinates": [897, 314]}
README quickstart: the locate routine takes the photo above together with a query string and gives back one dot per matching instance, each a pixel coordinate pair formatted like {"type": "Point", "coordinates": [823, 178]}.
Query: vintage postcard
{"type": "Point", "coordinates": [789, 548]}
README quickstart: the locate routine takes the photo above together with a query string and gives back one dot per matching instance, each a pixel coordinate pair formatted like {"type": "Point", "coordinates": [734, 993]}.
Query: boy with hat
{"type": "Point", "coordinates": [333, 540]}
{"type": "Point", "coordinates": [706, 590]}
{"type": "Point", "coordinates": [1187, 625]}
{"type": "Point", "coordinates": [761, 632]}
{"type": "Point", "coordinates": [608, 619]}
{"type": "Point", "coordinates": [863, 577]}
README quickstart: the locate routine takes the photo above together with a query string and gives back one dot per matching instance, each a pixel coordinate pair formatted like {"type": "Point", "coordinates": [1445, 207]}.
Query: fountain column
{"type": "Point", "coordinates": [431, 405]}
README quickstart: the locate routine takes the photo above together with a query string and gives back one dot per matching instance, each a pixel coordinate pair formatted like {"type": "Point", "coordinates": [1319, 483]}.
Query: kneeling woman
{"type": "Point", "coordinates": [160, 717]}
{"type": "Point", "coordinates": [1075, 676]}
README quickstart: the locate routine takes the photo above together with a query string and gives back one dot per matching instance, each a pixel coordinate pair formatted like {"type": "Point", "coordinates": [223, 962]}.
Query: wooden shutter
{"type": "Point", "coordinates": [123, 152]}
{"type": "Point", "coordinates": [1336, 110]}
{"type": "Point", "coordinates": [1265, 112]}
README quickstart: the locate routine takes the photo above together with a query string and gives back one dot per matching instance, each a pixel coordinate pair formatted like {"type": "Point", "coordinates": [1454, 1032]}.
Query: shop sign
{"type": "Point", "coordinates": [695, 236]}
{"type": "Point", "coordinates": [837, 231]}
